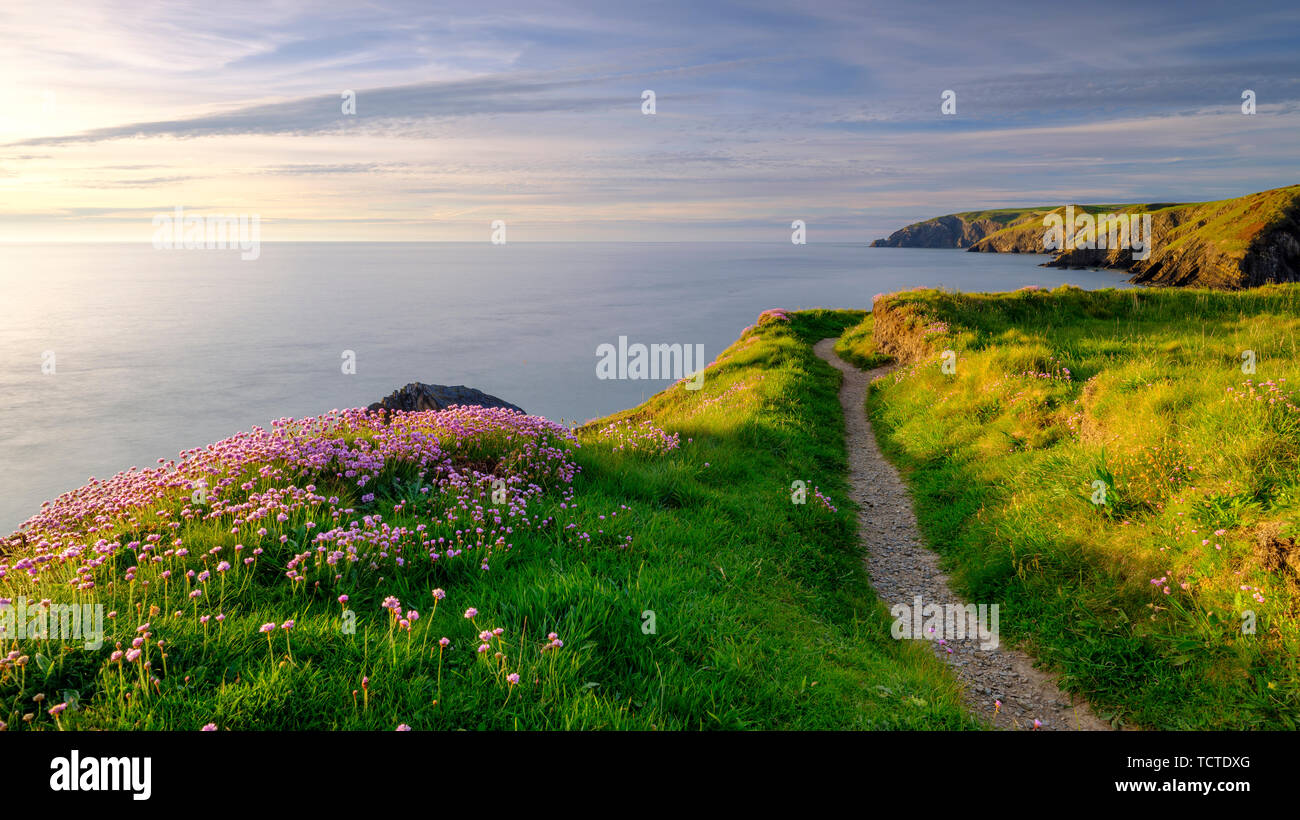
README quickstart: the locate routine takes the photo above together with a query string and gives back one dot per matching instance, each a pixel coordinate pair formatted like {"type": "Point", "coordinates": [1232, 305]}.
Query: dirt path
{"type": "Point", "coordinates": [900, 569]}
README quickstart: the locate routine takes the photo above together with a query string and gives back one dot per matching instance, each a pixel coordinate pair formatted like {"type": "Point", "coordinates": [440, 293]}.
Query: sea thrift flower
{"type": "Point", "coordinates": [471, 613]}
{"type": "Point", "coordinates": [513, 677]}
{"type": "Point", "coordinates": [402, 727]}
{"type": "Point", "coordinates": [270, 627]}
{"type": "Point", "coordinates": [209, 727]}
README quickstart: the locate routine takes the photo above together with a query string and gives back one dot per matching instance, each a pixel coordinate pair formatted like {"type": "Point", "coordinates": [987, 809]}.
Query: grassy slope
{"type": "Point", "coordinates": [764, 618]}
{"type": "Point", "coordinates": [1002, 456]}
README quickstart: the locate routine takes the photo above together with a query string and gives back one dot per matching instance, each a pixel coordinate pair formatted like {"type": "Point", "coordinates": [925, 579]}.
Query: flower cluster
{"type": "Point", "coordinates": [255, 480]}
{"type": "Point", "coordinates": [301, 505]}
{"type": "Point", "coordinates": [824, 500]}
{"type": "Point", "coordinates": [1269, 401]}
{"type": "Point", "coordinates": [1271, 392]}
{"type": "Point", "coordinates": [1053, 370]}
{"type": "Point", "coordinates": [642, 436]}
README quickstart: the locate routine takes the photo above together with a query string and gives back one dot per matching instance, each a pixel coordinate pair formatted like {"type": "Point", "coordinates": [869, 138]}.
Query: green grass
{"type": "Point", "coordinates": [1053, 391]}
{"type": "Point", "coordinates": [762, 612]}
{"type": "Point", "coordinates": [858, 347]}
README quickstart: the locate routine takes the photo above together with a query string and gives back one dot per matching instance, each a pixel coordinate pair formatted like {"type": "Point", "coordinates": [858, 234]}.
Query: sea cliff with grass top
{"type": "Point", "coordinates": [1228, 244]}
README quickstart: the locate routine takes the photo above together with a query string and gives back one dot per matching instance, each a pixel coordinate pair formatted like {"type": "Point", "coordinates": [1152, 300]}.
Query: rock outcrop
{"type": "Point", "coordinates": [420, 396]}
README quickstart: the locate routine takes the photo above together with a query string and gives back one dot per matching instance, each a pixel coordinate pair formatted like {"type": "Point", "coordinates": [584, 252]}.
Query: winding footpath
{"type": "Point", "coordinates": [901, 568]}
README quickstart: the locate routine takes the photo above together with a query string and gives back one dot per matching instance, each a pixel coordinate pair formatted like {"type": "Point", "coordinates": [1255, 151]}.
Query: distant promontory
{"type": "Point", "coordinates": [1228, 244]}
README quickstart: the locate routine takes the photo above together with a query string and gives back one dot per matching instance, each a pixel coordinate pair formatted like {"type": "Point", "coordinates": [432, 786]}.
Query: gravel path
{"type": "Point", "coordinates": [901, 569]}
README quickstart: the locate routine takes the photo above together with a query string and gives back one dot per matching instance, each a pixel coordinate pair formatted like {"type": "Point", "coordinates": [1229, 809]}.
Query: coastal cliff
{"type": "Point", "coordinates": [961, 230]}
{"type": "Point", "coordinates": [1227, 244]}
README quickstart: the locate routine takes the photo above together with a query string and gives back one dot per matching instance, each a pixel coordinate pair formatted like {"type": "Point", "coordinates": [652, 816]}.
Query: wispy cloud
{"type": "Point", "coordinates": [531, 112]}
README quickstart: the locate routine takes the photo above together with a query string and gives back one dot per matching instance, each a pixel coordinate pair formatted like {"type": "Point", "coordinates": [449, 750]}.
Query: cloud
{"type": "Point", "coordinates": [483, 96]}
{"type": "Point", "coordinates": [531, 110]}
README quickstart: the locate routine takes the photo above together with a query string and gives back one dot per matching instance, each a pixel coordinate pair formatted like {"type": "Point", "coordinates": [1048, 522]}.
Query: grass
{"type": "Point", "coordinates": [857, 346]}
{"type": "Point", "coordinates": [1144, 602]}
{"type": "Point", "coordinates": [672, 584]}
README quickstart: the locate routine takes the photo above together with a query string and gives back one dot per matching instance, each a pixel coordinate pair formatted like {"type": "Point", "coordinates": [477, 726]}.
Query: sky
{"type": "Point", "coordinates": [531, 112]}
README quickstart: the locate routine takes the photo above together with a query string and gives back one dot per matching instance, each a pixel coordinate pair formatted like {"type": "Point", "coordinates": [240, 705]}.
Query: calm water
{"type": "Point", "coordinates": [159, 351]}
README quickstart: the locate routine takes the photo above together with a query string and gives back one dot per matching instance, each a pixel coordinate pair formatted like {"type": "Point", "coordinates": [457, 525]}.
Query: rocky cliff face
{"type": "Point", "coordinates": [1275, 255]}
{"type": "Point", "coordinates": [1254, 242]}
{"type": "Point", "coordinates": [418, 396]}
{"type": "Point", "coordinates": [1227, 244]}
{"type": "Point", "coordinates": [1230, 244]}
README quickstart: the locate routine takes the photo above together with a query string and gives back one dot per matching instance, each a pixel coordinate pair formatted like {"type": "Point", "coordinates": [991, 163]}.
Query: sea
{"type": "Point", "coordinates": [116, 355]}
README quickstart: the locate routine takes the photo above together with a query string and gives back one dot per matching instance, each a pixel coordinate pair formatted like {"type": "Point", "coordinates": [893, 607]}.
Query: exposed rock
{"type": "Point", "coordinates": [420, 396]}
